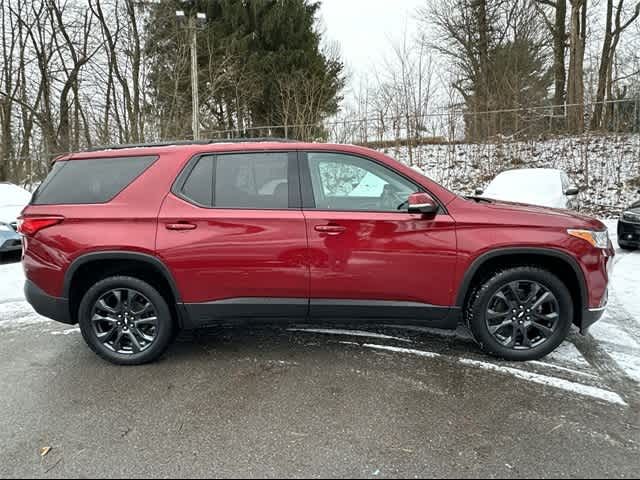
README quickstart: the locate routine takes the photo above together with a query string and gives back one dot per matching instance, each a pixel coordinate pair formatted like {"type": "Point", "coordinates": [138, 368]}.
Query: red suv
{"type": "Point", "coordinates": [135, 243]}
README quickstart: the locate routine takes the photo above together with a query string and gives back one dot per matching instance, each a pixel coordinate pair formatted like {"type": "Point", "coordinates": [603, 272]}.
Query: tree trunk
{"type": "Point", "coordinates": [559, 45]}
{"type": "Point", "coordinates": [575, 91]}
{"type": "Point", "coordinates": [603, 72]}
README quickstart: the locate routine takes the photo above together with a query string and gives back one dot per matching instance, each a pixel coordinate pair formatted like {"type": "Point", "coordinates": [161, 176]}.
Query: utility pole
{"type": "Point", "coordinates": [194, 23]}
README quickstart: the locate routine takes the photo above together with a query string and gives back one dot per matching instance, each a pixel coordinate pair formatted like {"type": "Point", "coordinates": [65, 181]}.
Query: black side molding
{"type": "Point", "coordinates": [328, 311]}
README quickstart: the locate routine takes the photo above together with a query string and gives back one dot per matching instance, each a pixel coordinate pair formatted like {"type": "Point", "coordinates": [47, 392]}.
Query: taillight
{"type": "Point", "coordinates": [29, 226]}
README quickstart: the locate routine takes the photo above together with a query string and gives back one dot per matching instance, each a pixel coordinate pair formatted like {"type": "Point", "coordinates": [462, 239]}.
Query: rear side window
{"type": "Point", "coordinates": [89, 181]}
{"type": "Point", "coordinates": [199, 186]}
{"type": "Point", "coordinates": [254, 181]}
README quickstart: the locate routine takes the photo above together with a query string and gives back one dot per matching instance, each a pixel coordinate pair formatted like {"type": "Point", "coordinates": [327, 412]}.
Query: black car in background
{"type": "Point", "coordinates": [629, 227]}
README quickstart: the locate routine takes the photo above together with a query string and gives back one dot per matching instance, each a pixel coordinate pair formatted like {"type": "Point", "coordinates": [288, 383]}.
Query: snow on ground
{"type": "Point", "coordinates": [11, 283]}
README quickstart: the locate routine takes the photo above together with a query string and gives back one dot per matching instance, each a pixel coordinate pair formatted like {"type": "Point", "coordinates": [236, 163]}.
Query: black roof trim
{"type": "Point", "coordinates": [191, 142]}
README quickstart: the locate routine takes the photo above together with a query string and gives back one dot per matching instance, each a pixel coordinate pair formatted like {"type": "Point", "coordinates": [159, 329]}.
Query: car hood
{"type": "Point", "coordinates": [543, 216]}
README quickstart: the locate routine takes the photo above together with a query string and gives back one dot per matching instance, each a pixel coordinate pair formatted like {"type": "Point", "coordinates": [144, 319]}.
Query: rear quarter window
{"type": "Point", "coordinates": [90, 181]}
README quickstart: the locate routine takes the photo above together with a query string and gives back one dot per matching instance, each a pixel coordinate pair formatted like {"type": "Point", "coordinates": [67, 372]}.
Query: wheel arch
{"type": "Point", "coordinates": [557, 262]}
{"type": "Point", "coordinates": [89, 268]}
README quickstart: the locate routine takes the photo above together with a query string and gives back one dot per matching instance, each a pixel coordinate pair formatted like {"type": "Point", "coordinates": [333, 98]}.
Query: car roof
{"type": "Point", "coordinates": [529, 171]}
{"type": "Point", "coordinates": [208, 146]}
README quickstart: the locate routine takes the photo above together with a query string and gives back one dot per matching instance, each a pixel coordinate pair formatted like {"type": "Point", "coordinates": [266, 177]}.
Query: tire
{"type": "Point", "coordinates": [486, 307]}
{"type": "Point", "coordinates": [154, 330]}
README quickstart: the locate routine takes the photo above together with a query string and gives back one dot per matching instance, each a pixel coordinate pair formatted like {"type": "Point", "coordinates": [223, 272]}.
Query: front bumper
{"type": "Point", "coordinates": [51, 307]}
{"type": "Point", "coordinates": [589, 317]}
{"type": "Point", "coordinates": [629, 233]}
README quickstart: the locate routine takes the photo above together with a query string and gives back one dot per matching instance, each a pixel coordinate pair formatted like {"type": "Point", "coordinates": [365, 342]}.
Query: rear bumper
{"type": "Point", "coordinates": [51, 307]}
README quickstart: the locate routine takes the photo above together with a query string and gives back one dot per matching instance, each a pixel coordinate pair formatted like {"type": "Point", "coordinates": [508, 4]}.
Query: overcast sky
{"type": "Point", "coordinates": [364, 28]}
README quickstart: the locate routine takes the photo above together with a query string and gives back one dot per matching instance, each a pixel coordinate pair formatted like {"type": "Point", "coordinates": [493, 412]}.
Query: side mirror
{"type": "Point", "coordinates": [572, 191]}
{"type": "Point", "coordinates": [422, 202]}
{"type": "Point", "coordinates": [479, 191]}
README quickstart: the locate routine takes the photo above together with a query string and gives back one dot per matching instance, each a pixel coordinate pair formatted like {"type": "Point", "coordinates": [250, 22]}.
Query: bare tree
{"type": "Point", "coordinates": [613, 31]}
{"type": "Point", "coordinates": [575, 89]}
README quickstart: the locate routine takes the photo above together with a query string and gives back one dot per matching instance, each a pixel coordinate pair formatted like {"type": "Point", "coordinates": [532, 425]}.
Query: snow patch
{"type": "Point", "coordinates": [351, 333]}
{"type": "Point", "coordinates": [68, 331]}
{"type": "Point", "coordinates": [578, 388]}
{"type": "Point", "coordinates": [410, 351]}
{"type": "Point", "coordinates": [11, 283]}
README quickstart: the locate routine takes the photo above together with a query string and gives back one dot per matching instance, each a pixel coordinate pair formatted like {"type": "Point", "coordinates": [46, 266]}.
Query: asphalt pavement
{"type": "Point", "coordinates": [267, 402]}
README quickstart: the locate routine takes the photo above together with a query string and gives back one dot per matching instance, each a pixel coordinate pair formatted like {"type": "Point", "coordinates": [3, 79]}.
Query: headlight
{"type": "Point", "coordinates": [5, 228]}
{"type": "Point", "coordinates": [597, 239]}
{"type": "Point", "coordinates": [630, 216]}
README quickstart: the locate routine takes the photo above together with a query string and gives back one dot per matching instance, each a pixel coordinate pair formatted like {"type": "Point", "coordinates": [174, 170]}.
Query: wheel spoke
{"type": "Point", "coordinates": [104, 337]}
{"type": "Point", "coordinates": [493, 315]}
{"type": "Point", "coordinates": [102, 318]}
{"type": "Point", "coordinates": [102, 305]}
{"type": "Point", "coordinates": [543, 329]}
{"type": "Point", "coordinates": [117, 342]}
{"type": "Point", "coordinates": [513, 288]}
{"type": "Point", "coordinates": [146, 321]}
{"type": "Point", "coordinates": [526, 341]}
{"type": "Point", "coordinates": [118, 295]}
{"type": "Point", "coordinates": [142, 335]}
{"type": "Point", "coordinates": [509, 303]}
{"type": "Point", "coordinates": [543, 298]}
{"type": "Point", "coordinates": [535, 289]}
{"type": "Point", "coordinates": [146, 308]}
{"type": "Point", "coordinates": [135, 345]}
{"type": "Point", "coordinates": [496, 328]}
{"type": "Point", "coordinates": [546, 317]}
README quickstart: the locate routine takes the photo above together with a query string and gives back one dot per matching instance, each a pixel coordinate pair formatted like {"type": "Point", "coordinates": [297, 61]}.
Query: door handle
{"type": "Point", "coordinates": [330, 229]}
{"type": "Point", "coordinates": [181, 227]}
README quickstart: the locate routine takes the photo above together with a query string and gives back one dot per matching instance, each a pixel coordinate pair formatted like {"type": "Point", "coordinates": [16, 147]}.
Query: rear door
{"type": "Point", "coordinates": [233, 234]}
{"type": "Point", "coordinates": [369, 257]}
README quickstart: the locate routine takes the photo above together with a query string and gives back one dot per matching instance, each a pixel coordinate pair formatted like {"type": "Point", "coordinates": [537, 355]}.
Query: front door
{"type": "Point", "coordinates": [369, 257]}
{"type": "Point", "coordinates": [233, 236]}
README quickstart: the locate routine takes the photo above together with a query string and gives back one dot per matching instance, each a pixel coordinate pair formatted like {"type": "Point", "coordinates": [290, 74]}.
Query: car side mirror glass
{"type": "Point", "coordinates": [421, 202]}
{"type": "Point", "coordinates": [479, 191]}
{"type": "Point", "coordinates": [572, 192]}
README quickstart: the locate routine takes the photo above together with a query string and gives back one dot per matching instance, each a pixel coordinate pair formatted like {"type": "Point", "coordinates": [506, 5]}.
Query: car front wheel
{"type": "Point", "coordinates": [125, 321]}
{"type": "Point", "coordinates": [521, 313]}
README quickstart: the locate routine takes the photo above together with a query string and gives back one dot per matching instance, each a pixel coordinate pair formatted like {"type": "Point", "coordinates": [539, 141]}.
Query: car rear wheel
{"type": "Point", "coordinates": [521, 313]}
{"type": "Point", "coordinates": [125, 321]}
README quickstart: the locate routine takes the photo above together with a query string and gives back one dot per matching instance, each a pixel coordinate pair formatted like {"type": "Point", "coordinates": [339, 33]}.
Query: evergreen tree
{"type": "Point", "coordinates": [260, 63]}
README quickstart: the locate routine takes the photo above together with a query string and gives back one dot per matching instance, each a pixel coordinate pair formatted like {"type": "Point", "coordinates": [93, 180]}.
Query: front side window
{"type": "Point", "coordinates": [347, 182]}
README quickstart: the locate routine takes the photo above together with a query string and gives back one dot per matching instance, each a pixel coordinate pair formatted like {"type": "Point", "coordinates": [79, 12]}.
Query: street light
{"type": "Point", "coordinates": [193, 24]}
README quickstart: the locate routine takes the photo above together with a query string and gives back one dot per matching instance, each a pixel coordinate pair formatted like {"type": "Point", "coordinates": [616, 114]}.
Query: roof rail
{"type": "Point", "coordinates": [191, 142]}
